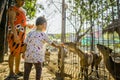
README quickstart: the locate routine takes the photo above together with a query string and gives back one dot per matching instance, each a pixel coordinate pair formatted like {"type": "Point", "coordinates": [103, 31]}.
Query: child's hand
{"type": "Point", "coordinates": [17, 39]}
{"type": "Point", "coordinates": [62, 44]}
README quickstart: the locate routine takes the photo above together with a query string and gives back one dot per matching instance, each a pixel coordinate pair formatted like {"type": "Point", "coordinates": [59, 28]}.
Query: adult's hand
{"type": "Point", "coordinates": [30, 26]}
{"type": "Point", "coordinates": [17, 39]}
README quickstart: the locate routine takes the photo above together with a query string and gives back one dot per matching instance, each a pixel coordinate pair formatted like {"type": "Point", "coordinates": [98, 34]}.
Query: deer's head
{"type": "Point", "coordinates": [104, 50]}
{"type": "Point", "coordinates": [71, 46]}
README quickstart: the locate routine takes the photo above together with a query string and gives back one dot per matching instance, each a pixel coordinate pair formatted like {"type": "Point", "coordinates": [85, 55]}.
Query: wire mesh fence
{"type": "Point", "coordinates": [89, 23]}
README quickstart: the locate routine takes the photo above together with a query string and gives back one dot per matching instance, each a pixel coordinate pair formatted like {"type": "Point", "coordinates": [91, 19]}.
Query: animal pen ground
{"type": "Point", "coordinates": [85, 25]}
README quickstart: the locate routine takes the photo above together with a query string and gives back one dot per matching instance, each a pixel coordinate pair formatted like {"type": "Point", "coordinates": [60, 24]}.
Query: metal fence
{"type": "Point", "coordinates": [91, 22]}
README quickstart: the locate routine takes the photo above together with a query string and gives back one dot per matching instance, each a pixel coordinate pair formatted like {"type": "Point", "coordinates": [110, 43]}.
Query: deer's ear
{"type": "Point", "coordinates": [78, 43]}
{"type": "Point", "coordinates": [110, 50]}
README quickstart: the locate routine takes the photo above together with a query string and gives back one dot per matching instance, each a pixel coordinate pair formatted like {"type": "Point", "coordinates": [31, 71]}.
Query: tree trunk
{"type": "Point", "coordinates": [2, 28]}
{"type": "Point", "coordinates": [2, 8]}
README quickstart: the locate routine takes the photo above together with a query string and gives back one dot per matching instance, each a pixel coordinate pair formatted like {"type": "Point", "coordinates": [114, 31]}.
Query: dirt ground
{"type": "Point", "coordinates": [46, 73]}
{"type": "Point", "coordinates": [49, 70]}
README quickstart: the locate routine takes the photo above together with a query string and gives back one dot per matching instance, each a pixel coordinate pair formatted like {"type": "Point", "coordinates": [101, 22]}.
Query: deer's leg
{"type": "Point", "coordinates": [91, 69]}
{"type": "Point", "coordinates": [59, 64]}
{"type": "Point", "coordinates": [96, 67]}
{"type": "Point", "coordinates": [59, 59]}
{"type": "Point", "coordinates": [86, 73]}
{"type": "Point", "coordinates": [81, 73]}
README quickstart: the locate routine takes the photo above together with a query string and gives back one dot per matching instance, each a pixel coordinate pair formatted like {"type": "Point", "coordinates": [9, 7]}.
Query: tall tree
{"type": "Point", "coordinates": [90, 12]}
{"type": "Point", "coordinates": [3, 18]}
{"type": "Point", "coordinates": [31, 6]}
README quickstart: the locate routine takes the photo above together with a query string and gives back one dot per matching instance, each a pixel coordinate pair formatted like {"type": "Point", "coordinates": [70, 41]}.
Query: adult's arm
{"type": "Point", "coordinates": [12, 17]}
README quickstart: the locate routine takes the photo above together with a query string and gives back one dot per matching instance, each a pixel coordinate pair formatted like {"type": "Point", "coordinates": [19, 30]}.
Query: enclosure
{"type": "Point", "coordinates": [89, 23]}
{"type": "Point", "coordinates": [84, 24]}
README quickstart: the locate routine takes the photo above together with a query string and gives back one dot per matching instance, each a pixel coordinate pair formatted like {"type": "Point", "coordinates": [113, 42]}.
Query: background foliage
{"type": "Point", "coordinates": [31, 6]}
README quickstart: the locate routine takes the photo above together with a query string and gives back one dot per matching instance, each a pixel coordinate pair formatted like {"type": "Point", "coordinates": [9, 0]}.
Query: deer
{"type": "Point", "coordinates": [111, 66]}
{"type": "Point", "coordinates": [86, 59]}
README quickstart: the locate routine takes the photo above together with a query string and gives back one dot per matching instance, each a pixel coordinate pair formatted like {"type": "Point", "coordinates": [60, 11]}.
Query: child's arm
{"type": "Point", "coordinates": [25, 45]}
{"type": "Point", "coordinates": [47, 40]}
{"type": "Point", "coordinates": [54, 45]}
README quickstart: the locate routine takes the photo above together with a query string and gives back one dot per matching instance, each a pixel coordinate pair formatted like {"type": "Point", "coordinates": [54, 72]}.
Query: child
{"type": "Point", "coordinates": [35, 49]}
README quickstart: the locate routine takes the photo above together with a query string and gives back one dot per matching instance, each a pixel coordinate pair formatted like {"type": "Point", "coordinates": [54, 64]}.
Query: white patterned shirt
{"type": "Point", "coordinates": [36, 46]}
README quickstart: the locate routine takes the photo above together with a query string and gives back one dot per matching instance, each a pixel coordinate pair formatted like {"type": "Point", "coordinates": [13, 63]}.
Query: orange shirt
{"type": "Point", "coordinates": [20, 25]}
{"type": "Point", "coordinates": [20, 16]}
{"type": "Point", "coordinates": [19, 22]}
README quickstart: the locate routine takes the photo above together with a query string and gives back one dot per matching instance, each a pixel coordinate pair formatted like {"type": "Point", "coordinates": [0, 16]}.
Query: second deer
{"type": "Point", "coordinates": [112, 67]}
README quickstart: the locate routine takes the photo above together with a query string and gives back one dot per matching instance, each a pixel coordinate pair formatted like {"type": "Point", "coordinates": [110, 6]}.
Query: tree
{"type": "Point", "coordinates": [90, 12]}
{"type": "Point", "coordinates": [31, 7]}
{"type": "Point", "coordinates": [3, 30]}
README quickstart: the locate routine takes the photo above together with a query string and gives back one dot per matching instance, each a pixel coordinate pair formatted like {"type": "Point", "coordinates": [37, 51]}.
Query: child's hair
{"type": "Point", "coordinates": [40, 20]}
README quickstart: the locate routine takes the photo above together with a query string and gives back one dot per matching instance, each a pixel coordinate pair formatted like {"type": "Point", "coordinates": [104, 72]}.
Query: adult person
{"type": "Point", "coordinates": [16, 35]}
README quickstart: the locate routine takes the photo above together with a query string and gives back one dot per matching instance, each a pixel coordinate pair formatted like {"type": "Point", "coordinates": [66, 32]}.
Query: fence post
{"type": "Point", "coordinates": [63, 38]}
